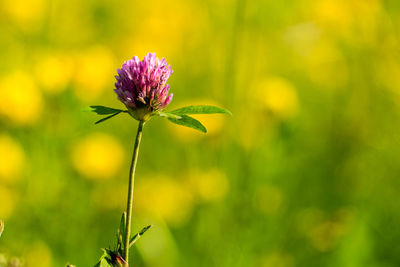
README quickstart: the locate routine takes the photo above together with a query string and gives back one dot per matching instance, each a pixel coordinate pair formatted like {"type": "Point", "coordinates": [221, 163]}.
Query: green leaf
{"type": "Point", "coordinates": [122, 225]}
{"type": "Point", "coordinates": [121, 234]}
{"type": "Point", "coordinates": [104, 262]}
{"type": "Point", "coordinates": [101, 110]}
{"type": "Point", "coordinates": [108, 117]}
{"type": "Point", "coordinates": [168, 115]}
{"type": "Point", "coordinates": [138, 235]}
{"type": "Point", "coordinates": [1, 227]}
{"type": "Point", "coordinates": [201, 109]}
{"type": "Point", "coordinates": [188, 121]}
{"type": "Point", "coordinates": [110, 259]}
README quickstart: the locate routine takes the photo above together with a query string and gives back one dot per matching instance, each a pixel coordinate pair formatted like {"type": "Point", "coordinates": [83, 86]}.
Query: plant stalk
{"type": "Point", "coordinates": [130, 190]}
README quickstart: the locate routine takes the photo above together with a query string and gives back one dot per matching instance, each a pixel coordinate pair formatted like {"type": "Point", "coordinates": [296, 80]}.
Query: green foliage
{"type": "Point", "coordinates": [102, 110]}
{"type": "Point", "coordinates": [177, 116]}
{"type": "Point", "coordinates": [138, 235]}
{"type": "Point", "coordinates": [168, 115]}
{"type": "Point", "coordinates": [180, 116]}
{"type": "Point", "coordinates": [121, 234]}
{"type": "Point", "coordinates": [188, 121]}
{"type": "Point", "coordinates": [200, 109]}
{"type": "Point", "coordinates": [105, 259]}
{"type": "Point", "coordinates": [111, 259]}
{"type": "Point", "coordinates": [108, 117]}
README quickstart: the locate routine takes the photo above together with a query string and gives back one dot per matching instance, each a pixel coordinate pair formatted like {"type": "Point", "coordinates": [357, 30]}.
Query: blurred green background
{"type": "Point", "coordinates": [305, 172]}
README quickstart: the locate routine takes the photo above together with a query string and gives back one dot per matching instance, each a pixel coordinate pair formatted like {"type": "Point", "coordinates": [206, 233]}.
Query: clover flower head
{"type": "Point", "coordinates": [142, 85]}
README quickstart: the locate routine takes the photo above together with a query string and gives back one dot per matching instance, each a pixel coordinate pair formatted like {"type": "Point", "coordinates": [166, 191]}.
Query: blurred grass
{"type": "Point", "coordinates": [305, 173]}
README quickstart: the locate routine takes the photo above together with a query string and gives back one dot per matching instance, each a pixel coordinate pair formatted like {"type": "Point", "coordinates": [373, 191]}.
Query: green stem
{"type": "Point", "coordinates": [130, 190]}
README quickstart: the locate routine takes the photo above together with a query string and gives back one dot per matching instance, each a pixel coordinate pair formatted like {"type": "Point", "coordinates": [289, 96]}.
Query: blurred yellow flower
{"type": "Point", "coordinates": [157, 16]}
{"type": "Point", "coordinates": [355, 20]}
{"type": "Point", "coordinates": [213, 122]}
{"type": "Point", "coordinates": [21, 100]}
{"type": "Point", "coordinates": [326, 66]}
{"type": "Point", "coordinates": [8, 200]}
{"type": "Point", "coordinates": [11, 157]}
{"type": "Point", "coordinates": [98, 156]}
{"type": "Point", "coordinates": [38, 254]}
{"type": "Point", "coordinates": [165, 198]}
{"type": "Point", "coordinates": [279, 96]}
{"type": "Point", "coordinates": [95, 71]}
{"type": "Point", "coordinates": [387, 67]}
{"type": "Point", "coordinates": [26, 14]}
{"type": "Point", "coordinates": [334, 13]}
{"type": "Point", "coordinates": [269, 199]}
{"type": "Point", "coordinates": [208, 185]}
{"type": "Point", "coordinates": [54, 72]}
{"type": "Point", "coordinates": [70, 23]}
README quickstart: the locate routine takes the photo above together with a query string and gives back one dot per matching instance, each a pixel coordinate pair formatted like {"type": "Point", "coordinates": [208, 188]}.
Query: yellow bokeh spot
{"type": "Point", "coordinates": [355, 20]}
{"type": "Point", "coordinates": [335, 13]}
{"type": "Point", "coordinates": [156, 17]}
{"type": "Point", "coordinates": [38, 254]}
{"type": "Point", "coordinates": [54, 72]}
{"type": "Point", "coordinates": [165, 198]}
{"type": "Point", "coordinates": [98, 156]}
{"type": "Point", "coordinates": [25, 13]}
{"type": "Point", "coordinates": [326, 66]}
{"type": "Point", "coordinates": [269, 199]}
{"type": "Point", "coordinates": [7, 202]}
{"type": "Point", "coordinates": [11, 157]}
{"type": "Point", "coordinates": [387, 67]}
{"type": "Point", "coordinates": [21, 100]}
{"type": "Point", "coordinates": [279, 96]}
{"type": "Point", "coordinates": [209, 186]}
{"type": "Point", "coordinates": [94, 72]}
{"type": "Point", "coordinates": [214, 123]}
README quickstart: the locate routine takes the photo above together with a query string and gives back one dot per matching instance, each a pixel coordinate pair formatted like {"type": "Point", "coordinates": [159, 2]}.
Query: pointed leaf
{"type": "Point", "coordinates": [122, 224]}
{"type": "Point", "coordinates": [121, 234]}
{"type": "Point", "coordinates": [102, 110]}
{"type": "Point", "coordinates": [108, 117]}
{"type": "Point", "coordinates": [168, 115]}
{"type": "Point", "coordinates": [201, 109]}
{"type": "Point", "coordinates": [188, 121]}
{"type": "Point", "coordinates": [103, 262]}
{"type": "Point", "coordinates": [138, 235]}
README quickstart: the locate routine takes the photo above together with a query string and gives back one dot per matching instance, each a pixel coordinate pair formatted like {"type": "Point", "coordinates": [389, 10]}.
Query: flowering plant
{"type": "Point", "coordinates": [142, 87]}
